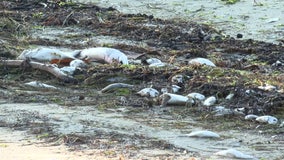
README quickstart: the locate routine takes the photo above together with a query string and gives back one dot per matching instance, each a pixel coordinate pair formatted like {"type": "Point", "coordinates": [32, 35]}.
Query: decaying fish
{"type": "Point", "coordinates": [102, 54]}
{"type": "Point", "coordinates": [196, 96]}
{"type": "Point", "coordinates": [232, 153]}
{"type": "Point", "coordinates": [202, 61]}
{"type": "Point", "coordinates": [40, 85]}
{"type": "Point", "coordinates": [209, 101]}
{"type": "Point", "coordinates": [174, 99]}
{"type": "Point", "coordinates": [203, 134]}
{"type": "Point", "coordinates": [115, 86]}
{"type": "Point", "coordinates": [267, 119]}
{"type": "Point", "coordinates": [148, 92]}
{"type": "Point", "coordinates": [51, 55]}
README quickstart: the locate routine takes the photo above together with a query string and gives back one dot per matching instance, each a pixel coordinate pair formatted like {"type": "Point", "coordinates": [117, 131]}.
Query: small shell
{"type": "Point", "coordinates": [40, 85]}
{"type": "Point", "coordinates": [148, 92]}
{"type": "Point", "coordinates": [251, 117]}
{"type": "Point", "coordinates": [267, 119]}
{"type": "Point", "coordinates": [196, 96]}
{"type": "Point", "coordinates": [232, 153]}
{"type": "Point", "coordinates": [209, 101]}
{"type": "Point", "coordinates": [153, 60]}
{"type": "Point", "coordinates": [201, 61]}
{"type": "Point", "coordinates": [204, 134]}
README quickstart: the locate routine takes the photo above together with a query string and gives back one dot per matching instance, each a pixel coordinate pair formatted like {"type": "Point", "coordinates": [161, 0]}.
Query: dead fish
{"type": "Point", "coordinates": [77, 63]}
{"type": "Point", "coordinates": [221, 111]}
{"type": "Point", "coordinates": [51, 55]}
{"type": "Point", "coordinates": [196, 96]}
{"type": "Point", "coordinates": [148, 92]}
{"type": "Point", "coordinates": [267, 119]}
{"type": "Point", "coordinates": [102, 54]}
{"type": "Point", "coordinates": [115, 86]}
{"type": "Point", "coordinates": [229, 96]}
{"type": "Point", "coordinates": [203, 134]}
{"type": "Point", "coordinates": [267, 87]}
{"type": "Point", "coordinates": [174, 99]}
{"type": "Point", "coordinates": [233, 153]}
{"type": "Point", "coordinates": [175, 88]}
{"type": "Point", "coordinates": [157, 65]}
{"type": "Point", "coordinates": [40, 85]}
{"type": "Point", "coordinates": [68, 70]}
{"type": "Point", "coordinates": [153, 60]}
{"type": "Point", "coordinates": [250, 117]}
{"type": "Point", "coordinates": [202, 61]}
{"type": "Point", "coordinates": [209, 101]}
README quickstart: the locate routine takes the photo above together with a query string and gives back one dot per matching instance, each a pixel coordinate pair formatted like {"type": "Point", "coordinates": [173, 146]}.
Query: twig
{"type": "Point", "coordinates": [67, 17]}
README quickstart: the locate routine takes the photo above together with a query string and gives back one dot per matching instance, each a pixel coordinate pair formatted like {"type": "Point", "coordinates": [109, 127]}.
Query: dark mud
{"type": "Point", "coordinates": [242, 65]}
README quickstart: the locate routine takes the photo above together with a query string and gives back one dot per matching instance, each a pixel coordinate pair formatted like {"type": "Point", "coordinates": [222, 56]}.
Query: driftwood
{"type": "Point", "coordinates": [54, 70]}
